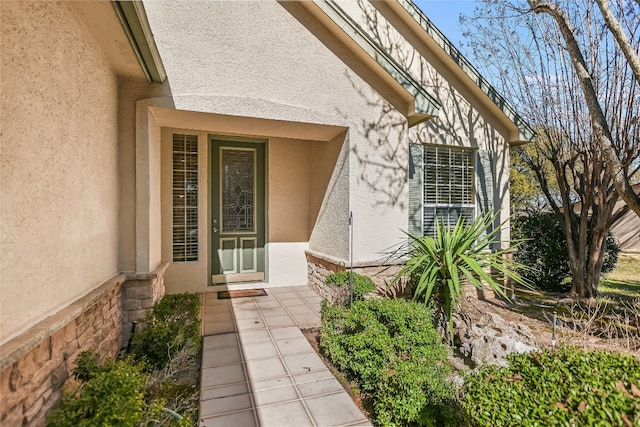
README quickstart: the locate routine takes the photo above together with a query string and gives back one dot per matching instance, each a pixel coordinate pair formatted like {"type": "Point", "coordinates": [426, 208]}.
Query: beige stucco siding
{"type": "Point", "coordinates": [463, 119]}
{"type": "Point", "coordinates": [230, 62]}
{"type": "Point", "coordinates": [289, 164]}
{"type": "Point", "coordinates": [59, 193]}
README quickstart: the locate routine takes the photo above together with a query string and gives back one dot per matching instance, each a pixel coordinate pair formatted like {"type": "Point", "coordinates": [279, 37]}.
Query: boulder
{"type": "Point", "coordinates": [491, 339]}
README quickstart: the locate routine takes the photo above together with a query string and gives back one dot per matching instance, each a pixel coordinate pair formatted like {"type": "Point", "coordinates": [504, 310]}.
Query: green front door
{"type": "Point", "coordinates": [237, 218]}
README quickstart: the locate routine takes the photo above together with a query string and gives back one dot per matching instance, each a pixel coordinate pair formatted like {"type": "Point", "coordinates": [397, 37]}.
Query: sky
{"type": "Point", "coordinates": [444, 14]}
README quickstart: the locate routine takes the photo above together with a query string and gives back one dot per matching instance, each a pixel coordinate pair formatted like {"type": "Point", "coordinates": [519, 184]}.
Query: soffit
{"type": "Point", "coordinates": [104, 25]}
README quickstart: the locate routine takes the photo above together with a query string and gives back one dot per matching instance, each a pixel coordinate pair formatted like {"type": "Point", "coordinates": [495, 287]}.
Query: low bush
{"type": "Point", "coordinates": [171, 325]}
{"type": "Point", "coordinates": [362, 285]}
{"type": "Point", "coordinates": [391, 349]}
{"type": "Point", "coordinates": [112, 394]}
{"type": "Point", "coordinates": [544, 251]}
{"type": "Point", "coordinates": [567, 387]}
{"type": "Point", "coordinates": [158, 378]}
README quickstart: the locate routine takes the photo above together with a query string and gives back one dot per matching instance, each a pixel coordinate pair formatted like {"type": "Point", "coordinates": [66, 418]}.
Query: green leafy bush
{"type": "Point", "coordinates": [544, 251]}
{"type": "Point", "coordinates": [113, 394]}
{"type": "Point", "coordinates": [362, 285]}
{"type": "Point", "coordinates": [568, 387]}
{"type": "Point", "coordinates": [172, 324]}
{"type": "Point", "coordinates": [391, 349]}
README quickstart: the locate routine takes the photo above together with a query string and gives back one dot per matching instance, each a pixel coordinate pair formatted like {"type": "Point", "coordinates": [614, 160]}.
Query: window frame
{"type": "Point", "coordinates": [465, 202]}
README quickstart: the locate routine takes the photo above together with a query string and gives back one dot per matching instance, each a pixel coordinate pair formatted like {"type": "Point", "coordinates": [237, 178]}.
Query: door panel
{"type": "Point", "coordinates": [238, 232]}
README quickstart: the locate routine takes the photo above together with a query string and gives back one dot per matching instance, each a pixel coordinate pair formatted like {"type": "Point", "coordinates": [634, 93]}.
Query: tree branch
{"type": "Point", "coordinates": [599, 123]}
{"type": "Point", "coordinates": [621, 38]}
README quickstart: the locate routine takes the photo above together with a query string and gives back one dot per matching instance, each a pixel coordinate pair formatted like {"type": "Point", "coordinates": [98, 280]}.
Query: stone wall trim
{"type": "Point", "coordinates": [158, 272]}
{"type": "Point", "coordinates": [323, 259]}
{"type": "Point", "coordinates": [15, 349]}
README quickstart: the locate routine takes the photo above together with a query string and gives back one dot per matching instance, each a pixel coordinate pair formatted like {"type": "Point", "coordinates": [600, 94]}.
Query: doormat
{"type": "Point", "coordinates": [245, 293]}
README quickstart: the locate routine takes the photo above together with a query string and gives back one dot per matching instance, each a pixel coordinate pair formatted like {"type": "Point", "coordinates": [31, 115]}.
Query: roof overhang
{"type": "Point", "coordinates": [383, 73]}
{"type": "Point", "coordinates": [122, 32]}
{"type": "Point", "coordinates": [136, 25]}
{"type": "Point", "coordinates": [413, 24]}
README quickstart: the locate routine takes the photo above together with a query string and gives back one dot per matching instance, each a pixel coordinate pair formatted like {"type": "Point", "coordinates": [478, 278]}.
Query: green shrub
{"type": "Point", "coordinates": [391, 349]}
{"type": "Point", "coordinates": [544, 251]}
{"type": "Point", "coordinates": [415, 390]}
{"type": "Point", "coordinates": [172, 324]}
{"type": "Point", "coordinates": [87, 366]}
{"type": "Point", "coordinates": [362, 285]}
{"type": "Point", "coordinates": [568, 387]}
{"type": "Point", "coordinates": [113, 395]}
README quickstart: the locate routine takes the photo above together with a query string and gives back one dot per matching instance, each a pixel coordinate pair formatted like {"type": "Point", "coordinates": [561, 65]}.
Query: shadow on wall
{"type": "Point", "coordinates": [384, 163]}
{"type": "Point", "coordinates": [459, 122]}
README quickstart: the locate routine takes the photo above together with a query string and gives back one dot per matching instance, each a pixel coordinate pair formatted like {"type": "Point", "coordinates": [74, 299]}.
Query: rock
{"type": "Point", "coordinates": [491, 339]}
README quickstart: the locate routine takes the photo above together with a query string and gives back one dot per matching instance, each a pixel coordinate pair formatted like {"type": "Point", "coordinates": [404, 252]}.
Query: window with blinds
{"type": "Point", "coordinates": [448, 186]}
{"type": "Point", "coordinates": [185, 198]}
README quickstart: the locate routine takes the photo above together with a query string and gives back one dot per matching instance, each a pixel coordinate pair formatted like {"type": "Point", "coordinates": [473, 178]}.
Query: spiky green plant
{"type": "Point", "coordinates": [438, 267]}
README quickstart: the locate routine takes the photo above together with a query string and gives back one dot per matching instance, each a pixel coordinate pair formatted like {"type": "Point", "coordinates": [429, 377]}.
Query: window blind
{"type": "Point", "coordinates": [185, 198]}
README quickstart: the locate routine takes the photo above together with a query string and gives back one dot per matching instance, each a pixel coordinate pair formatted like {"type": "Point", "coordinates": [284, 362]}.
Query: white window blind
{"type": "Point", "coordinates": [448, 186]}
{"type": "Point", "coordinates": [185, 198]}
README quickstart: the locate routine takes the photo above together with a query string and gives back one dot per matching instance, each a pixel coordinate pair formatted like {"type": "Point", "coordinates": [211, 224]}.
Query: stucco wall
{"type": "Point", "coordinates": [59, 194]}
{"type": "Point", "coordinates": [231, 63]}
{"type": "Point", "coordinates": [129, 92]}
{"type": "Point", "coordinates": [463, 120]}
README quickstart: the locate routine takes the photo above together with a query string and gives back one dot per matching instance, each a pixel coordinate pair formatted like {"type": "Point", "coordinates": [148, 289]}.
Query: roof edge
{"type": "Point", "coordinates": [525, 132]}
{"type": "Point", "coordinates": [425, 106]}
{"type": "Point", "coordinates": [134, 21]}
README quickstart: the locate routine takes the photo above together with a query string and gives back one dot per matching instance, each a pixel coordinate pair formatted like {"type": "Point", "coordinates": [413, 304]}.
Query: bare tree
{"type": "Point", "coordinates": [599, 123]}
{"type": "Point", "coordinates": [621, 37]}
{"type": "Point", "coordinates": [532, 65]}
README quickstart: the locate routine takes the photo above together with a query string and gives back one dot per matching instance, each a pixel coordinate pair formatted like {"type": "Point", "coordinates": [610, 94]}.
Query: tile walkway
{"type": "Point", "coordinates": [258, 369]}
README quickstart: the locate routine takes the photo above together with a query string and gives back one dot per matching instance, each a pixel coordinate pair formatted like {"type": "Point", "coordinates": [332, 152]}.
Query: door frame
{"type": "Point", "coordinates": [213, 171]}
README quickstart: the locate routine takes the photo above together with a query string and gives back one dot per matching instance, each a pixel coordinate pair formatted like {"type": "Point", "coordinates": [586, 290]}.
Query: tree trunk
{"type": "Point", "coordinates": [599, 123]}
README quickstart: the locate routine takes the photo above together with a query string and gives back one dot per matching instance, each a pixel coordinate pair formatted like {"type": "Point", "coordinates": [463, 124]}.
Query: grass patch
{"type": "Point", "coordinates": [624, 281]}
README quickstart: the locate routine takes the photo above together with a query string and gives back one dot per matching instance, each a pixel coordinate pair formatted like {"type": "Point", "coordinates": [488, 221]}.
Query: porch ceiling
{"type": "Point", "coordinates": [251, 126]}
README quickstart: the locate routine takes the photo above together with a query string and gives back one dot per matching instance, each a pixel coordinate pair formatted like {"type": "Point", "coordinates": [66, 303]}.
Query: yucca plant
{"type": "Point", "coordinates": [438, 267]}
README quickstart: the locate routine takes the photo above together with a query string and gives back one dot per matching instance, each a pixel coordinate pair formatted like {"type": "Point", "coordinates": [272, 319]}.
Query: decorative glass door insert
{"type": "Point", "coordinates": [238, 190]}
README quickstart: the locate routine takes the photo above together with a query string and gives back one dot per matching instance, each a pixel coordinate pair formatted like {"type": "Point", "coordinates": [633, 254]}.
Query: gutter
{"type": "Point", "coordinates": [426, 107]}
{"type": "Point", "coordinates": [525, 132]}
{"type": "Point", "coordinates": [135, 23]}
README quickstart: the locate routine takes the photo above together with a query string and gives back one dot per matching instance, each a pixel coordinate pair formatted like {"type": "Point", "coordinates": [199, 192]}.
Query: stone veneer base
{"type": "Point", "coordinates": [35, 365]}
{"type": "Point", "coordinates": [320, 266]}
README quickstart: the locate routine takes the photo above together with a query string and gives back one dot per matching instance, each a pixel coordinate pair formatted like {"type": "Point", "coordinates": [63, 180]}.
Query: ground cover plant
{"type": "Point", "coordinates": [362, 285]}
{"type": "Point", "coordinates": [567, 387]}
{"type": "Point", "coordinates": [111, 394]}
{"type": "Point", "coordinates": [391, 349]}
{"type": "Point", "coordinates": [157, 384]}
{"type": "Point", "coordinates": [171, 325]}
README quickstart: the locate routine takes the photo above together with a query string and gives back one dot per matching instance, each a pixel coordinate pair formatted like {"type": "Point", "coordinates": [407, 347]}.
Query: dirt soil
{"type": "Point", "coordinates": [537, 314]}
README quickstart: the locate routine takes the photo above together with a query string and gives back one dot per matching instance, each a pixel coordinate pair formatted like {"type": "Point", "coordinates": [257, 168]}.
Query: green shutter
{"type": "Point", "coordinates": [485, 182]}
{"type": "Point", "coordinates": [416, 188]}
